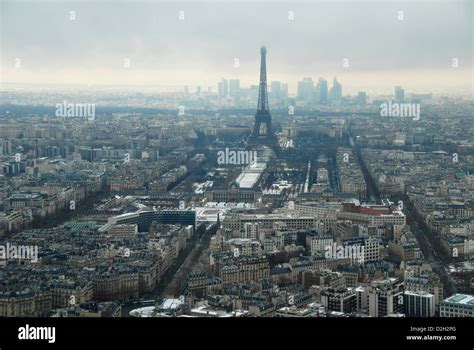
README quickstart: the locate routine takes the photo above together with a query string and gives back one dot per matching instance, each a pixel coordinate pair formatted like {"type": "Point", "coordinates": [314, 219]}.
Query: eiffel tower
{"type": "Point", "coordinates": [263, 136]}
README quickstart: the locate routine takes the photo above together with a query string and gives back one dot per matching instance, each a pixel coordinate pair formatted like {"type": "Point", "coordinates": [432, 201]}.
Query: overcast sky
{"type": "Point", "coordinates": [416, 52]}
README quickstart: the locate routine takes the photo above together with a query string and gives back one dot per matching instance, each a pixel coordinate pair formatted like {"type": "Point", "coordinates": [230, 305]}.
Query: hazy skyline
{"type": "Point", "coordinates": [165, 51]}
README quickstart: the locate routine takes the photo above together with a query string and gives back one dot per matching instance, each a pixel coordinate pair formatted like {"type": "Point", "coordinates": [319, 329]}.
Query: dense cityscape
{"type": "Point", "coordinates": [190, 204]}
{"type": "Point", "coordinates": [235, 168]}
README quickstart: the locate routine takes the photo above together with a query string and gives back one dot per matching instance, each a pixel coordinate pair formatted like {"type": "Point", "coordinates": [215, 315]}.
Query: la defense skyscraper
{"type": "Point", "coordinates": [262, 134]}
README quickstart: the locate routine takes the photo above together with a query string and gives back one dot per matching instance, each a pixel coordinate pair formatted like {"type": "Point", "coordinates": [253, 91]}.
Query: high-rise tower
{"type": "Point", "coordinates": [262, 134]}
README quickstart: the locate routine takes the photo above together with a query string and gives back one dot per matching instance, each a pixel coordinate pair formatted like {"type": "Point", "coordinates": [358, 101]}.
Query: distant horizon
{"type": "Point", "coordinates": [176, 89]}
{"type": "Point", "coordinates": [147, 44]}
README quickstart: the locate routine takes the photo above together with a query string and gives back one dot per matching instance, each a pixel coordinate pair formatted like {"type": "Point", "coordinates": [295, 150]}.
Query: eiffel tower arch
{"type": "Point", "coordinates": [262, 133]}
